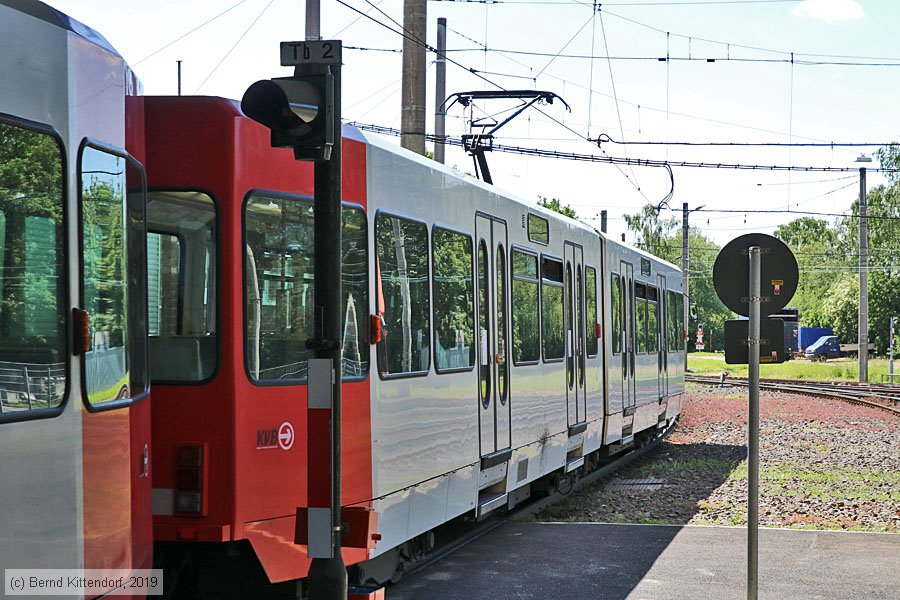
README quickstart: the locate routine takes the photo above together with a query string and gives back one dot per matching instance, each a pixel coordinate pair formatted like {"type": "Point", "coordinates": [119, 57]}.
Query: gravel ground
{"type": "Point", "coordinates": [824, 465]}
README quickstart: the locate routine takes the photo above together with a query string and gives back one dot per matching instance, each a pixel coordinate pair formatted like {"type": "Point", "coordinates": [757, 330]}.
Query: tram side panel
{"type": "Point", "coordinates": [71, 470]}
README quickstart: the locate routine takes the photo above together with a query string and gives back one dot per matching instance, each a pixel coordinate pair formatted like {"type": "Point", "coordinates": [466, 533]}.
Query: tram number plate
{"type": "Point", "coordinates": [311, 52]}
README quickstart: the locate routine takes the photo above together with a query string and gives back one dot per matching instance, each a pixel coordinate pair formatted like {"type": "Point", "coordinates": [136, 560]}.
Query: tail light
{"type": "Point", "coordinates": [376, 331]}
{"type": "Point", "coordinates": [82, 331]}
{"type": "Point", "coordinates": [191, 463]}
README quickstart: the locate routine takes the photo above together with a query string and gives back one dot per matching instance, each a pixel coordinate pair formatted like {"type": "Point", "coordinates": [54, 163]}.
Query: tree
{"type": "Point", "coordinates": [651, 231]}
{"type": "Point", "coordinates": [815, 245]}
{"type": "Point", "coordinates": [555, 205]}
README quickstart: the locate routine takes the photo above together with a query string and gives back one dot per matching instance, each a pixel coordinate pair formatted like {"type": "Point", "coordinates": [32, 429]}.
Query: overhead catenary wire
{"type": "Point", "coordinates": [644, 162]}
{"type": "Point", "coordinates": [230, 50]}
{"type": "Point", "coordinates": [194, 30]}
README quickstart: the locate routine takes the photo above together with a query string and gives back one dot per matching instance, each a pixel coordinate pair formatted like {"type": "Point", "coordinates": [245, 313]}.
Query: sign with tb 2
{"type": "Point", "coordinates": [322, 52]}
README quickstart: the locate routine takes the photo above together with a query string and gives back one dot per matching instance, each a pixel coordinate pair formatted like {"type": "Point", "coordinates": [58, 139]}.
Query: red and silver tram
{"type": "Point", "coordinates": [489, 369]}
{"type": "Point", "coordinates": [488, 344]}
{"type": "Point", "coordinates": [74, 416]}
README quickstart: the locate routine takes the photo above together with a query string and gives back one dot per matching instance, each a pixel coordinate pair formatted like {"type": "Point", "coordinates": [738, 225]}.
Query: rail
{"type": "Point", "coordinates": [876, 395]}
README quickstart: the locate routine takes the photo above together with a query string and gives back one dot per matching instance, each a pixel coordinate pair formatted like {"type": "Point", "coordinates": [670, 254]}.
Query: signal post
{"type": "Point", "coordinates": [303, 113]}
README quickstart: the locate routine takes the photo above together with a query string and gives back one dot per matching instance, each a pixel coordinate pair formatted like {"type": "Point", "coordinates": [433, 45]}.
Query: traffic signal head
{"type": "Point", "coordinates": [298, 110]}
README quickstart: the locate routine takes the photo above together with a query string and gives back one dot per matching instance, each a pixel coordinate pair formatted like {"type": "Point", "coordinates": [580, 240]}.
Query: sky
{"type": "Point", "coordinates": [604, 63]}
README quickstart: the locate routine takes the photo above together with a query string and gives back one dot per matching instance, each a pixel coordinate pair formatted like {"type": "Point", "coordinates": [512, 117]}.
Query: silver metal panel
{"type": "Point", "coordinates": [393, 521]}
{"type": "Point", "coordinates": [321, 383]}
{"type": "Point", "coordinates": [41, 494]}
{"type": "Point", "coordinates": [61, 74]}
{"type": "Point", "coordinates": [428, 505]}
{"type": "Point", "coordinates": [462, 491]}
{"type": "Point", "coordinates": [320, 542]}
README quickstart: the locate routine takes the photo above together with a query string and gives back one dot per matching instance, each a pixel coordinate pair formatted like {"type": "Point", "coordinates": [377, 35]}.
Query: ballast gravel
{"type": "Point", "coordinates": [824, 464]}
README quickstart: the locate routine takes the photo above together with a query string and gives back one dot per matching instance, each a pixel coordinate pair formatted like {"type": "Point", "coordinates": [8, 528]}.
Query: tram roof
{"type": "Point", "coordinates": [46, 13]}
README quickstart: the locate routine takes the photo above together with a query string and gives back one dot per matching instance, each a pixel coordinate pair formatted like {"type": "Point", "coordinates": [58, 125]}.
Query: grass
{"type": "Point", "coordinates": [712, 363]}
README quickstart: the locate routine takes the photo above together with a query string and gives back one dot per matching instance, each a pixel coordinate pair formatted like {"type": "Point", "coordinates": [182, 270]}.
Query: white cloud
{"type": "Point", "coordinates": [830, 11]}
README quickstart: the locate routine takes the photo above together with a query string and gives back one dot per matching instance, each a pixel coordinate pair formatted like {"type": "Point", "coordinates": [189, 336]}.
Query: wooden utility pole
{"type": "Point", "coordinates": [412, 96]}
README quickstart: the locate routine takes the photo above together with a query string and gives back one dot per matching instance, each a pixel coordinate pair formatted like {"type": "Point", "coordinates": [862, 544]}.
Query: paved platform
{"type": "Point", "coordinates": [520, 561]}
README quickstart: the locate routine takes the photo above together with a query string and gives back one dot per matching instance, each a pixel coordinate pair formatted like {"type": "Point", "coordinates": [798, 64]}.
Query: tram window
{"type": "Point", "coordinates": [355, 283]}
{"type": "Point", "coordinates": [672, 322]}
{"type": "Point", "coordinates": [640, 307]}
{"type": "Point", "coordinates": [181, 286]}
{"type": "Point", "coordinates": [538, 229]}
{"type": "Point", "coordinates": [113, 263]}
{"type": "Point", "coordinates": [679, 302]}
{"type": "Point", "coordinates": [403, 301]}
{"type": "Point", "coordinates": [278, 279]}
{"type": "Point", "coordinates": [32, 279]}
{"type": "Point", "coordinates": [484, 324]}
{"type": "Point", "coordinates": [593, 341]}
{"type": "Point", "coordinates": [525, 336]}
{"type": "Point", "coordinates": [454, 323]}
{"type": "Point", "coordinates": [616, 312]}
{"type": "Point", "coordinates": [279, 293]}
{"type": "Point", "coordinates": [652, 327]}
{"type": "Point", "coordinates": [552, 327]}
{"type": "Point", "coordinates": [501, 358]}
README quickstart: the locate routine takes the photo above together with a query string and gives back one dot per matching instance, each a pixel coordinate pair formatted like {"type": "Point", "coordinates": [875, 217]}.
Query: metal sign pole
{"type": "Point", "coordinates": [891, 342]}
{"type": "Point", "coordinates": [753, 427]}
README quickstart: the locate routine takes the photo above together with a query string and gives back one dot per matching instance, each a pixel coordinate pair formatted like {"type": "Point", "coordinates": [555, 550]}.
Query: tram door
{"type": "Point", "coordinates": [492, 308]}
{"type": "Point", "coordinates": [628, 329]}
{"type": "Point", "coordinates": [662, 329]}
{"type": "Point", "coordinates": [574, 326]}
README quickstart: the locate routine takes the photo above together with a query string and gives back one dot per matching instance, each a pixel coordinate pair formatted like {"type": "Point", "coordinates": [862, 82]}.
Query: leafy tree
{"type": "Point", "coordinates": [555, 205]}
{"type": "Point", "coordinates": [650, 229]}
{"type": "Point", "coordinates": [841, 307]}
{"type": "Point", "coordinates": [815, 245]}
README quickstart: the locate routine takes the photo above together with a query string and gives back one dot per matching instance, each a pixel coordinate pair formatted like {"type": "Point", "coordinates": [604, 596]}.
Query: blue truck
{"type": "Point", "coordinates": [806, 336]}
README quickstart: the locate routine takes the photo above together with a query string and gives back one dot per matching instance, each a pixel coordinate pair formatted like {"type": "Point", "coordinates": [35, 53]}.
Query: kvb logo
{"type": "Point", "coordinates": [286, 436]}
{"type": "Point", "coordinates": [283, 437]}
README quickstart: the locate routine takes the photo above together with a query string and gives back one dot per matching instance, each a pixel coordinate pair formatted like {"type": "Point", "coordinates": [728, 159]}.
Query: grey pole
{"type": "Point", "coordinates": [863, 280]}
{"type": "Point", "coordinates": [312, 20]}
{"type": "Point", "coordinates": [440, 91]}
{"type": "Point", "coordinates": [412, 94]}
{"type": "Point", "coordinates": [327, 578]}
{"type": "Point", "coordinates": [891, 343]}
{"type": "Point", "coordinates": [685, 263]}
{"type": "Point", "coordinates": [179, 76]}
{"type": "Point", "coordinates": [603, 221]}
{"type": "Point", "coordinates": [753, 428]}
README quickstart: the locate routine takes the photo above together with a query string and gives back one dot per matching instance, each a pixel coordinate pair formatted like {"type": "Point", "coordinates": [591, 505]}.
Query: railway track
{"type": "Point", "coordinates": [533, 506]}
{"type": "Point", "coordinates": [883, 396]}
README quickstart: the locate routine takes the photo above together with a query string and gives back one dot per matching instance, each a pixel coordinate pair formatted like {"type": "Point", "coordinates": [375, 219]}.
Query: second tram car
{"type": "Point", "coordinates": [512, 343]}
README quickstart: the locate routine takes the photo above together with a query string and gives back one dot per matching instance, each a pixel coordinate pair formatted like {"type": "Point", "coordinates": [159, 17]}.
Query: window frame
{"type": "Point", "coordinates": [410, 374]}
{"type": "Point", "coordinates": [537, 283]}
{"type": "Point", "coordinates": [615, 309]}
{"type": "Point", "coordinates": [109, 149]}
{"type": "Point", "coordinates": [562, 286]}
{"type": "Point", "coordinates": [587, 309]}
{"type": "Point", "coordinates": [531, 238]}
{"type": "Point", "coordinates": [281, 195]}
{"type": "Point", "coordinates": [472, 253]}
{"type": "Point", "coordinates": [54, 411]}
{"type": "Point", "coordinates": [217, 265]}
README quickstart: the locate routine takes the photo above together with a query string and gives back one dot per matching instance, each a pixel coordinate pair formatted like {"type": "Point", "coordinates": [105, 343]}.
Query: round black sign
{"type": "Point", "coordinates": [778, 274]}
